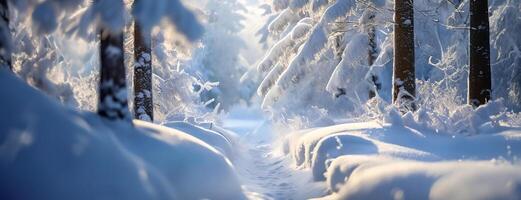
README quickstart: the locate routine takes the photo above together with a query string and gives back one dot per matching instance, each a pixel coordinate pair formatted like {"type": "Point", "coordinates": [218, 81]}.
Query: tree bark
{"type": "Point", "coordinates": [404, 86]}
{"type": "Point", "coordinates": [5, 36]}
{"type": "Point", "coordinates": [480, 84]}
{"type": "Point", "coordinates": [371, 54]}
{"type": "Point", "coordinates": [113, 103]}
{"type": "Point", "coordinates": [143, 102]}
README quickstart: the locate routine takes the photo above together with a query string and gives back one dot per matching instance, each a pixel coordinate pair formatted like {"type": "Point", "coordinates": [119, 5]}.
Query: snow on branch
{"type": "Point", "coordinates": [279, 50]}
{"type": "Point", "coordinates": [149, 13]}
{"type": "Point", "coordinates": [315, 44]}
{"type": "Point", "coordinates": [280, 4]}
{"type": "Point", "coordinates": [317, 4]}
{"type": "Point", "coordinates": [270, 79]}
{"type": "Point", "coordinates": [283, 20]}
{"type": "Point", "coordinates": [298, 4]}
{"type": "Point", "coordinates": [351, 70]}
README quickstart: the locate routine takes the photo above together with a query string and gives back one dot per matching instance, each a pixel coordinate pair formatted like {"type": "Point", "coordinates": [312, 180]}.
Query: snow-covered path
{"type": "Point", "coordinates": [265, 175]}
{"type": "Point", "coordinates": [264, 172]}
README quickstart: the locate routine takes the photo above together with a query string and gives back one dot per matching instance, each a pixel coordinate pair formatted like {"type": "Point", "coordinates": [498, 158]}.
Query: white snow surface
{"type": "Point", "coordinates": [375, 160]}
{"type": "Point", "coordinates": [49, 152]}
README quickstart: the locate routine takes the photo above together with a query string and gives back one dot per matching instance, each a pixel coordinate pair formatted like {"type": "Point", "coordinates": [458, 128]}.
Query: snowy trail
{"type": "Point", "coordinates": [264, 174]}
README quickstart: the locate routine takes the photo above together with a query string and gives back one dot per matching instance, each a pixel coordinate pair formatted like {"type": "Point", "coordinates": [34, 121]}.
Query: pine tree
{"type": "Point", "coordinates": [404, 85]}
{"type": "Point", "coordinates": [479, 85]}
{"type": "Point", "coordinates": [113, 102]}
{"type": "Point", "coordinates": [372, 52]}
{"type": "Point", "coordinates": [5, 36]}
{"type": "Point", "coordinates": [143, 104]}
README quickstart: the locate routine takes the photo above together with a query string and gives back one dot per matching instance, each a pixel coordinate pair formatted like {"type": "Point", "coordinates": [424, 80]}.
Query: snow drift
{"type": "Point", "coordinates": [401, 160]}
{"type": "Point", "coordinates": [49, 152]}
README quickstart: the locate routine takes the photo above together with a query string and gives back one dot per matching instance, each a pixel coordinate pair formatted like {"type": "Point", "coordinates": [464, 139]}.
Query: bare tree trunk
{"type": "Point", "coordinates": [143, 104]}
{"type": "Point", "coordinates": [480, 84]}
{"type": "Point", "coordinates": [5, 36]}
{"type": "Point", "coordinates": [372, 52]}
{"type": "Point", "coordinates": [404, 86]}
{"type": "Point", "coordinates": [113, 103]}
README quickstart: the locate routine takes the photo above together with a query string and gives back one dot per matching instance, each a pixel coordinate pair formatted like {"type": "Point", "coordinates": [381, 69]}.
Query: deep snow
{"type": "Point", "coordinates": [50, 152]}
{"type": "Point", "coordinates": [374, 160]}
{"type": "Point", "coordinates": [445, 150]}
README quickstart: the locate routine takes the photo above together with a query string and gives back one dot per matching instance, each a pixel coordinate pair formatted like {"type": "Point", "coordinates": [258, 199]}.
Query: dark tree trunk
{"type": "Point", "coordinates": [404, 86]}
{"type": "Point", "coordinates": [372, 52]}
{"type": "Point", "coordinates": [340, 46]}
{"type": "Point", "coordinates": [143, 104]}
{"type": "Point", "coordinates": [5, 36]}
{"type": "Point", "coordinates": [113, 103]}
{"type": "Point", "coordinates": [479, 85]}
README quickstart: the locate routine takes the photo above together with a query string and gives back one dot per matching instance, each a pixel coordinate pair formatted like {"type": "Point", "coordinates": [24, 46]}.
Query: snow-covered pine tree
{"type": "Point", "coordinates": [219, 59]}
{"type": "Point", "coordinates": [5, 36]}
{"type": "Point", "coordinates": [370, 28]}
{"type": "Point", "coordinates": [480, 83]}
{"type": "Point", "coordinates": [113, 99]}
{"type": "Point", "coordinates": [404, 86]}
{"type": "Point", "coordinates": [143, 93]}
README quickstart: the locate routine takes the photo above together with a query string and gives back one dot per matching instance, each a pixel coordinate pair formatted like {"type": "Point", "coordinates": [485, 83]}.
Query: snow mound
{"type": "Point", "coordinates": [377, 178]}
{"type": "Point", "coordinates": [394, 161]}
{"type": "Point", "coordinates": [213, 138]}
{"type": "Point", "coordinates": [49, 152]}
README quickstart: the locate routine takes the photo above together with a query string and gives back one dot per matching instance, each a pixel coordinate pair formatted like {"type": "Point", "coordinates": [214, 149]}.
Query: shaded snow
{"type": "Point", "coordinates": [374, 161]}
{"type": "Point", "coordinates": [49, 152]}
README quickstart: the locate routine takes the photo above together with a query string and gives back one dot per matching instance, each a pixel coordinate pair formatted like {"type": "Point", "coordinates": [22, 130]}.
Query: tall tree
{"type": "Point", "coordinates": [372, 51]}
{"type": "Point", "coordinates": [480, 84]}
{"type": "Point", "coordinates": [143, 104]}
{"type": "Point", "coordinates": [113, 102]}
{"type": "Point", "coordinates": [404, 86]}
{"type": "Point", "coordinates": [5, 36]}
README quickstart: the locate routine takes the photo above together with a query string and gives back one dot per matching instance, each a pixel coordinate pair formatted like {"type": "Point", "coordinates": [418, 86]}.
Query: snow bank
{"type": "Point", "coordinates": [213, 138]}
{"type": "Point", "coordinates": [48, 152]}
{"type": "Point", "coordinates": [367, 178]}
{"type": "Point", "coordinates": [396, 161]}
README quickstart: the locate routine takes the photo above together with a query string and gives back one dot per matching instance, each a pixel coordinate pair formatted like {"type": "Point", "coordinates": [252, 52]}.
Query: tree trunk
{"type": "Point", "coordinates": [371, 54]}
{"type": "Point", "coordinates": [5, 36]}
{"type": "Point", "coordinates": [143, 104]}
{"type": "Point", "coordinates": [479, 85]}
{"type": "Point", "coordinates": [113, 103]}
{"type": "Point", "coordinates": [404, 86]}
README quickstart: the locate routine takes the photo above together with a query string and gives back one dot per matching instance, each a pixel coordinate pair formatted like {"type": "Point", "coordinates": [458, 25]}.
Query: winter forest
{"type": "Point", "coordinates": [260, 99]}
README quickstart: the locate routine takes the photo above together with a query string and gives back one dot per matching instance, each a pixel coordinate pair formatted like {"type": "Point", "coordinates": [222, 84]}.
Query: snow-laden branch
{"type": "Point", "coordinates": [298, 4]}
{"type": "Point", "coordinates": [315, 44]}
{"type": "Point", "coordinates": [351, 70]}
{"type": "Point", "coordinates": [150, 13]}
{"type": "Point", "coordinates": [283, 20]}
{"type": "Point", "coordinates": [280, 49]}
